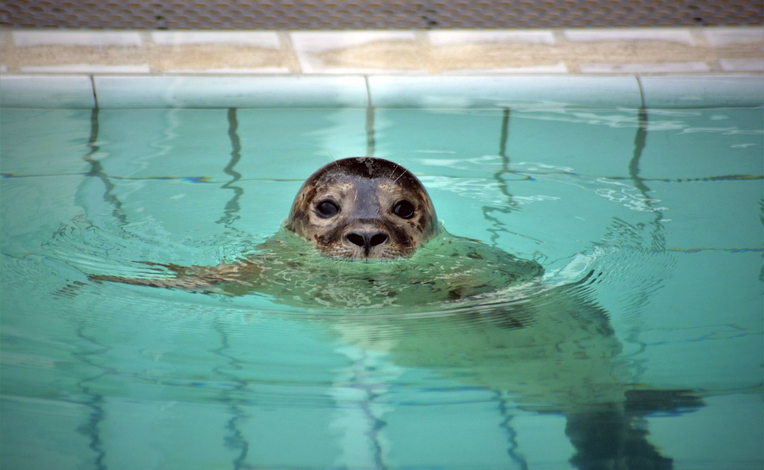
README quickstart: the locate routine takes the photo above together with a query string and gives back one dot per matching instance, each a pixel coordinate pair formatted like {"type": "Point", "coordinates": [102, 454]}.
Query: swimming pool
{"type": "Point", "coordinates": [664, 204]}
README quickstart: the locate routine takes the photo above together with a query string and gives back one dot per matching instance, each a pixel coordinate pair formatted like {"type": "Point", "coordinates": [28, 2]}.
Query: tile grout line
{"type": "Point", "coordinates": [93, 90]}
{"type": "Point", "coordinates": [641, 90]}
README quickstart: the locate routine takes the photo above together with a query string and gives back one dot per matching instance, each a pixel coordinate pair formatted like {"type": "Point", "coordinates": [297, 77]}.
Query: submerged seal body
{"type": "Point", "coordinates": [363, 208]}
{"type": "Point", "coordinates": [362, 234]}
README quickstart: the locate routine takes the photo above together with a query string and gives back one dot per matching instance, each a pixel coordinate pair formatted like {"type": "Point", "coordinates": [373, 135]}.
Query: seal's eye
{"type": "Point", "coordinates": [326, 209]}
{"type": "Point", "coordinates": [403, 209]}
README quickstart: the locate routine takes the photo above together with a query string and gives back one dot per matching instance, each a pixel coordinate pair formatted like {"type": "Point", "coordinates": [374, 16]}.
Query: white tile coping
{"type": "Point", "coordinates": [336, 91]}
{"type": "Point", "coordinates": [504, 91]}
{"type": "Point", "coordinates": [702, 91]}
{"type": "Point", "coordinates": [46, 91]}
{"type": "Point", "coordinates": [77, 38]}
{"type": "Point", "coordinates": [667, 67]}
{"type": "Point", "coordinates": [742, 65]}
{"type": "Point", "coordinates": [265, 39]}
{"type": "Point", "coordinates": [720, 37]}
{"type": "Point", "coordinates": [230, 91]}
{"type": "Point", "coordinates": [680, 35]}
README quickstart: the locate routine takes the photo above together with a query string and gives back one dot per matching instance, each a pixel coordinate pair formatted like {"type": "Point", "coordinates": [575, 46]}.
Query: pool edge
{"type": "Point", "coordinates": [86, 91]}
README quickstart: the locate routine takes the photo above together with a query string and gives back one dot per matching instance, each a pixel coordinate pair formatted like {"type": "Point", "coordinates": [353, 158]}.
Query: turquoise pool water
{"type": "Point", "coordinates": [665, 206]}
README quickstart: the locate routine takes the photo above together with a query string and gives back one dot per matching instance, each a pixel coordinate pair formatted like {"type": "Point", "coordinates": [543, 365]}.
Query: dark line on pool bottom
{"type": "Point", "coordinates": [504, 133]}
{"type": "Point", "coordinates": [658, 234]}
{"type": "Point", "coordinates": [91, 429]}
{"type": "Point", "coordinates": [96, 169]}
{"type": "Point", "coordinates": [498, 226]}
{"type": "Point", "coordinates": [236, 439]}
{"type": "Point", "coordinates": [504, 410]}
{"type": "Point", "coordinates": [232, 208]}
{"type": "Point", "coordinates": [378, 424]}
{"type": "Point", "coordinates": [640, 140]}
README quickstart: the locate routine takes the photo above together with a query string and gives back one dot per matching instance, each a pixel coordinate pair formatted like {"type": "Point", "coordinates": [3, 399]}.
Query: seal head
{"type": "Point", "coordinates": [363, 208]}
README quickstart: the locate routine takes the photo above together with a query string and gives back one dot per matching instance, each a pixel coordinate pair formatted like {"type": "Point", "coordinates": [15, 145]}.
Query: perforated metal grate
{"type": "Point", "coordinates": [345, 14]}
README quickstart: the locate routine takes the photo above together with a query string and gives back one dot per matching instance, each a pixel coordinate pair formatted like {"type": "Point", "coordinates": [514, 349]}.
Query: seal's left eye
{"type": "Point", "coordinates": [403, 209]}
{"type": "Point", "coordinates": [326, 209]}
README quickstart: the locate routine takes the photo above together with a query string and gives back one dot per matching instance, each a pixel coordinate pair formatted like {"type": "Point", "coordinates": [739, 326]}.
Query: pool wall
{"type": "Point", "coordinates": [85, 91]}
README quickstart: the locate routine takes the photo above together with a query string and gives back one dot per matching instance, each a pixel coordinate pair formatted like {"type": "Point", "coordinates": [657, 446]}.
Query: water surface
{"type": "Point", "coordinates": [661, 346]}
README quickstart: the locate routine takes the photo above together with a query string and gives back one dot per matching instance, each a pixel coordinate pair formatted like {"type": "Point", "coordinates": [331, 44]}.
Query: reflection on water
{"type": "Point", "coordinates": [593, 367]}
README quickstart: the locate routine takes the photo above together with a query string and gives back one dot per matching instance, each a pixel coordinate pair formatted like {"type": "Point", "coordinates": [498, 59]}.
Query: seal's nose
{"type": "Point", "coordinates": [366, 239]}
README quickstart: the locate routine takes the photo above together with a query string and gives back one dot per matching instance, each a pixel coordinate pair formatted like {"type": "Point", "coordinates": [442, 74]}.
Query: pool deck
{"type": "Point", "coordinates": [642, 51]}
{"type": "Point", "coordinates": [630, 67]}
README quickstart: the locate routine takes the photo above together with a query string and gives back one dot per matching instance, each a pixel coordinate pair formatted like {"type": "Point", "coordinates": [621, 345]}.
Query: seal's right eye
{"type": "Point", "coordinates": [327, 208]}
{"type": "Point", "coordinates": [404, 209]}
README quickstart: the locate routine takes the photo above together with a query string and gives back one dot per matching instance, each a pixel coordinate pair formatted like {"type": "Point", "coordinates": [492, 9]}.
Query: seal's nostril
{"type": "Point", "coordinates": [356, 239]}
{"type": "Point", "coordinates": [366, 240]}
{"type": "Point", "coordinates": [378, 239]}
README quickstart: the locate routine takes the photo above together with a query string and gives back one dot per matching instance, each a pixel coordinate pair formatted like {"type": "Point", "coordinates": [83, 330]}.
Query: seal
{"type": "Point", "coordinates": [378, 219]}
{"type": "Point", "coordinates": [363, 208]}
{"type": "Point", "coordinates": [362, 237]}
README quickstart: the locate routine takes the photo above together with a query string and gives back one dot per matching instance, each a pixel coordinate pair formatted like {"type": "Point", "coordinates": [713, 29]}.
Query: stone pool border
{"type": "Point", "coordinates": [608, 51]}
{"type": "Point", "coordinates": [380, 91]}
{"type": "Point", "coordinates": [660, 67]}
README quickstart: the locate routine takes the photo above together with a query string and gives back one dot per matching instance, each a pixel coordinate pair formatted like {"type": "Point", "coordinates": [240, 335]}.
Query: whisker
{"type": "Point", "coordinates": [401, 175]}
{"type": "Point", "coordinates": [392, 172]}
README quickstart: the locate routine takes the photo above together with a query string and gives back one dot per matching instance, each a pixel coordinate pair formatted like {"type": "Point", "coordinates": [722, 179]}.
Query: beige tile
{"type": "Point", "coordinates": [447, 38]}
{"type": "Point", "coordinates": [679, 35]}
{"type": "Point", "coordinates": [159, 59]}
{"type": "Point", "coordinates": [449, 52]}
{"type": "Point", "coordinates": [268, 40]}
{"type": "Point", "coordinates": [349, 51]}
{"type": "Point", "coordinates": [315, 41]}
{"type": "Point", "coordinates": [233, 71]}
{"type": "Point", "coordinates": [557, 68]}
{"type": "Point", "coordinates": [86, 68]}
{"type": "Point", "coordinates": [452, 52]}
